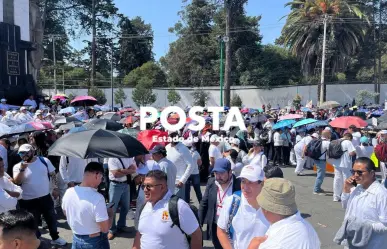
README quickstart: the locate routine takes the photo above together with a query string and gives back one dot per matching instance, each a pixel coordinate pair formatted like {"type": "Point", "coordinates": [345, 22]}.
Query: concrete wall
{"type": "Point", "coordinates": [251, 96]}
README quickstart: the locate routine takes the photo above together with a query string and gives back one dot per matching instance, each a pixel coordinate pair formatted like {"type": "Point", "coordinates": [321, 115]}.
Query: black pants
{"type": "Point", "coordinates": [267, 149]}
{"type": "Point", "coordinates": [214, 237]}
{"type": "Point", "coordinates": [42, 206]}
{"type": "Point", "coordinates": [277, 154]}
{"type": "Point", "coordinates": [286, 154]}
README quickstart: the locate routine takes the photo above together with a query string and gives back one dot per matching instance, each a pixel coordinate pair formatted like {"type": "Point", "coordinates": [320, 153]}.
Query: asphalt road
{"type": "Point", "coordinates": [324, 214]}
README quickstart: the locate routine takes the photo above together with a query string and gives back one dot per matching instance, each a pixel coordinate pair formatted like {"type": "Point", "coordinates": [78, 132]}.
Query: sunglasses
{"type": "Point", "coordinates": [21, 154]}
{"type": "Point", "coordinates": [149, 187]}
{"type": "Point", "coordinates": [359, 172]}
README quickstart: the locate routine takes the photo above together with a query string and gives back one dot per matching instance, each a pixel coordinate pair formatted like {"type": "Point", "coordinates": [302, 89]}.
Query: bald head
{"type": "Point", "coordinates": [326, 134]}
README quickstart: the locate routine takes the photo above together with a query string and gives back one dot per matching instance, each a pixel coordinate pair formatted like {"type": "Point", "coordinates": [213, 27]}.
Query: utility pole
{"type": "Point", "coordinates": [377, 99]}
{"type": "Point", "coordinates": [221, 44]}
{"type": "Point", "coordinates": [322, 82]}
{"type": "Point", "coordinates": [54, 58]}
{"type": "Point", "coordinates": [93, 45]}
{"type": "Point", "coordinates": [63, 81]}
{"type": "Point", "coordinates": [227, 74]}
{"type": "Point", "coordinates": [111, 79]}
{"type": "Point", "coordinates": [375, 78]}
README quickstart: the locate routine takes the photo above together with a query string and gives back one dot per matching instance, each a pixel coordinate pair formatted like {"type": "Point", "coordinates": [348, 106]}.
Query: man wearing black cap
{"type": "Point", "coordinates": [218, 188]}
{"type": "Point", "coordinates": [159, 154]}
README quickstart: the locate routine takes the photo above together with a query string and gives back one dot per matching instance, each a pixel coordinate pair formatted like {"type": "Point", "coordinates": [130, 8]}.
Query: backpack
{"type": "Point", "coordinates": [381, 152]}
{"type": "Point", "coordinates": [174, 214]}
{"type": "Point", "coordinates": [45, 164]}
{"type": "Point", "coordinates": [264, 136]}
{"type": "Point", "coordinates": [236, 201]}
{"type": "Point", "coordinates": [313, 150]}
{"type": "Point", "coordinates": [335, 150]}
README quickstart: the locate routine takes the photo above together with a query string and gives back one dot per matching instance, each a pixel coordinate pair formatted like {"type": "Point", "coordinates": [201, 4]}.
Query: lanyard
{"type": "Point", "coordinates": [224, 194]}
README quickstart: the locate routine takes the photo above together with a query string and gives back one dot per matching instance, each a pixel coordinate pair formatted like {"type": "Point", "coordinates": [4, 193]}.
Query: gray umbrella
{"type": "Point", "coordinates": [97, 144]}
{"type": "Point", "coordinates": [111, 116]}
{"type": "Point", "coordinates": [105, 124]}
{"type": "Point", "coordinates": [382, 126]}
{"type": "Point", "coordinates": [66, 120]}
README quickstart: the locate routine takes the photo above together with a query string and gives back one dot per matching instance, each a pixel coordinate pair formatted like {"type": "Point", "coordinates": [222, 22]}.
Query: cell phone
{"type": "Point", "coordinates": [354, 183]}
{"type": "Point", "coordinates": [110, 205]}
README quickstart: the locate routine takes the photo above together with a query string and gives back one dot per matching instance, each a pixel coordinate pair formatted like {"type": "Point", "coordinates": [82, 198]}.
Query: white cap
{"type": "Point", "coordinates": [25, 148]}
{"type": "Point", "coordinates": [23, 108]}
{"type": "Point", "coordinates": [328, 129]}
{"type": "Point", "coordinates": [38, 112]}
{"type": "Point", "coordinates": [315, 135]}
{"type": "Point", "coordinates": [234, 140]}
{"type": "Point", "coordinates": [3, 100]}
{"type": "Point", "coordinates": [252, 173]}
{"type": "Point", "coordinates": [214, 138]}
{"type": "Point", "coordinates": [384, 132]}
{"type": "Point", "coordinates": [188, 142]}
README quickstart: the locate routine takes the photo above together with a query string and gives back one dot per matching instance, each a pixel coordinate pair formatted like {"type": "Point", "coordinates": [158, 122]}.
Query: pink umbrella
{"type": "Point", "coordinates": [290, 116]}
{"type": "Point", "coordinates": [37, 126]}
{"type": "Point", "coordinates": [59, 97]}
{"type": "Point", "coordinates": [47, 125]}
{"type": "Point", "coordinates": [245, 110]}
{"type": "Point", "coordinates": [83, 98]}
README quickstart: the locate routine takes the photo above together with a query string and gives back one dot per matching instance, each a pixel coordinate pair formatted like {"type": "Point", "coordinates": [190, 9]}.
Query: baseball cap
{"type": "Point", "coordinates": [315, 135]}
{"type": "Point", "coordinates": [25, 148]}
{"type": "Point", "coordinates": [3, 100]}
{"type": "Point", "coordinates": [234, 140]}
{"type": "Point", "coordinates": [252, 173]}
{"type": "Point", "coordinates": [384, 132]}
{"type": "Point", "coordinates": [38, 112]}
{"type": "Point", "coordinates": [159, 148]}
{"type": "Point", "coordinates": [364, 140]}
{"type": "Point", "coordinates": [23, 108]}
{"type": "Point", "coordinates": [222, 165]}
{"type": "Point", "coordinates": [328, 128]}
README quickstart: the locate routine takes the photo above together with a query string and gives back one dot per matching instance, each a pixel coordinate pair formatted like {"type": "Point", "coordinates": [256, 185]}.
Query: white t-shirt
{"type": "Point", "coordinates": [364, 151]}
{"type": "Point", "coordinates": [300, 145]}
{"type": "Point", "coordinates": [6, 183]}
{"type": "Point", "coordinates": [181, 157]}
{"type": "Point", "coordinates": [160, 234]}
{"type": "Point", "coordinates": [247, 223]}
{"type": "Point", "coordinates": [345, 161]}
{"type": "Point", "coordinates": [195, 158]}
{"type": "Point", "coordinates": [356, 138]}
{"type": "Point", "coordinates": [291, 233]}
{"type": "Point", "coordinates": [115, 164]}
{"type": "Point", "coordinates": [29, 102]}
{"type": "Point", "coordinates": [324, 149]}
{"type": "Point", "coordinates": [71, 169]}
{"type": "Point", "coordinates": [84, 207]}
{"type": "Point", "coordinates": [36, 183]}
{"type": "Point", "coordinates": [6, 202]}
{"type": "Point", "coordinates": [214, 152]}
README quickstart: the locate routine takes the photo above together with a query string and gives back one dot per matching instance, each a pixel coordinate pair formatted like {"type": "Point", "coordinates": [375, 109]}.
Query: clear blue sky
{"type": "Point", "coordinates": [162, 14]}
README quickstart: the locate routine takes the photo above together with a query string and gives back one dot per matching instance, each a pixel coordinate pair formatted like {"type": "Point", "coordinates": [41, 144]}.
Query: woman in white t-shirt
{"type": "Point", "coordinates": [364, 149]}
{"type": "Point", "coordinates": [256, 157]}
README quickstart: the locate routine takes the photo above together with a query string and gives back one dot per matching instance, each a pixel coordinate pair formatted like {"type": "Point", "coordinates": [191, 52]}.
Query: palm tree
{"type": "Point", "coordinates": [304, 28]}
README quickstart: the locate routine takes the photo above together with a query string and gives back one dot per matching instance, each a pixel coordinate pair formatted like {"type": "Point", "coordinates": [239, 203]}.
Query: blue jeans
{"type": "Point", "coordinates": [119, 194]}
{"type": "Point", "coordinates": [321, 169]}
{"type": "Point", "coordinates": [85, 242]}
{"type": "Point", "coordinates": [195, 181]}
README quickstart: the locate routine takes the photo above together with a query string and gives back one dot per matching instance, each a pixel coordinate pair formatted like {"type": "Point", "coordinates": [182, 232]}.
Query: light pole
{"type": "Point", "coordinates": [221, 40]}
{"type": "Point", "coordinates": [111, 79]}
{"type": "Point", "coordinates": [322, 80]}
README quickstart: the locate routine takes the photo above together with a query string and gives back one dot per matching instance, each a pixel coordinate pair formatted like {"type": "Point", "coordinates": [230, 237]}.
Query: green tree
{"type": "Point", "coordinates": [149, 72]}
{"type": "Point", "coordinates": [303, 32]}
{"type": "Point", "coordinates": [236, 100]}
{"type": "Point", "coordinates": [143, 94]}
{"type": "Point", "coordinates": [200, 97]}
{"type": "Point", "coordinates": [173, 96]}
{"type": "Point", "coordinates": [365, 97]}
{"type": "Point", "coordinates": [134, 52]}
{"type": "Point", "coordinates": [120, 96]}
{"type": "Point", "coordinates": [98, 94]}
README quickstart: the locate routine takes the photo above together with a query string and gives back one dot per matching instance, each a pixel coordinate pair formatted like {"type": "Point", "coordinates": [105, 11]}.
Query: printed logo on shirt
{"type": "Point", "coordinates": [165, 216]}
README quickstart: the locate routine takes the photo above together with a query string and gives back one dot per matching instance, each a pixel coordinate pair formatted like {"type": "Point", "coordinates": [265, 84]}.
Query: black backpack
{"type": "Point", "coordinates": [335, 150]}
{"type": "Point", "coordinates": [174, 214]}
{"type": "Point", "coordinates": [313, 150]}
{"type": "Point", "coordinates": [264, 136]}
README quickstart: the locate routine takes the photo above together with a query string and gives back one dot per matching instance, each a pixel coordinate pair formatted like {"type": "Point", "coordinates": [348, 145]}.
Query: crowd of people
{"type": "Point", "coordinates": [247, 201]}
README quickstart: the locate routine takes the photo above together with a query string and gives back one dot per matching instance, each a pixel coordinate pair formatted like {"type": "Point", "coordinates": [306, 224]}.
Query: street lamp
{"type": "Point", "coordinates": [221, 40]}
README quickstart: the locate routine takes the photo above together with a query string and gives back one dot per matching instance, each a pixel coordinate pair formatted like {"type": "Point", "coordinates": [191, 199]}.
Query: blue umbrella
{"type": "Point", "coordinates": [67, 110]}
{"type": "Point", "coordinates": [317, 124]}
{"type": "Point", "coordinates": [305, 109]}
{"type": "Point", "coordinates": [305, 122]}
{"type": "Point", "coordinates": [284, 123]}
{"type": "Point", "coordinates": [77, 129]}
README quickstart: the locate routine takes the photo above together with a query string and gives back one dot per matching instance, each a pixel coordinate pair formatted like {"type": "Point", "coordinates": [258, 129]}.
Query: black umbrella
{"type": "Point", "coordinates": [97, 144]}
{"type": "Point", "coordinates": [66, 120]}
{"type": "Point", "coordinates": [111, 116]}
{"type": "Point", "coordinates": [105, 124]}
{"type": "Point", "coordinates": [382, 118]}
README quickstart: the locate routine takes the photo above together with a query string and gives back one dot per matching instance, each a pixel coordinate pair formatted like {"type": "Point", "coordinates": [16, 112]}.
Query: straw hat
{"type": "Point", "coordinates": [278, 196]}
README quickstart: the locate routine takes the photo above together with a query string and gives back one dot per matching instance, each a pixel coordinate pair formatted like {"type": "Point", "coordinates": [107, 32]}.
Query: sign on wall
{"type": "Point", "coordinates": [13, 65]}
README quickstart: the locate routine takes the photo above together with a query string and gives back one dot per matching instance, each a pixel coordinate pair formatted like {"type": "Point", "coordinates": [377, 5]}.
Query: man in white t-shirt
{"type": "Point", "coordinates": [155, 228]}
{"type": "Point", "coordinates": [119, 192]}
{"type": "Point", "coordinates": [300, 149]}
{"type": "Point", "coordinates": [194, 178]}
{"type": "Point", "coordinates": [35, 174]}
{"type": "Point", "coordinates": [86, 211]}
{"type": "Point", "coordinates": [30, 102]}
{"type": "Point", "coordinates": [343, 165]}
{"type": "Point", "coordinates": [288, 229]}
{"type": "Point", "coordinates": [214, 152]}
{"type": "Point", "coordinates": [321, 162]}
{"type": "Point", "coordinates": [241, 231]}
